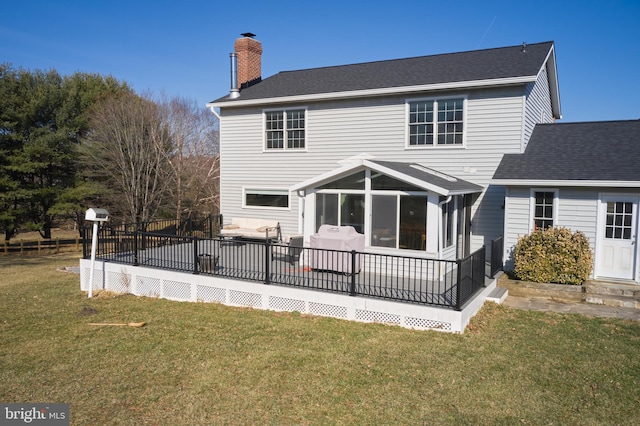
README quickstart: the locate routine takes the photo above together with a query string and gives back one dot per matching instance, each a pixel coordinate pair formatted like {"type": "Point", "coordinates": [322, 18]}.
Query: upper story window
{"type": "Point", "coordinates": [436, 122]}
{"type": "Point", "coordinates": [285, 129]}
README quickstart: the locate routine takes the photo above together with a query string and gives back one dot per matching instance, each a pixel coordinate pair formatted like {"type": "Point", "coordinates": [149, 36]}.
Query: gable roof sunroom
{"type": "Point", "coordinates": [413, 174]}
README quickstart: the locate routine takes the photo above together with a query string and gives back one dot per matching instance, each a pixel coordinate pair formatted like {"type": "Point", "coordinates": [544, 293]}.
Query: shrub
{"type": "Point", "coordinates": [554, 255]}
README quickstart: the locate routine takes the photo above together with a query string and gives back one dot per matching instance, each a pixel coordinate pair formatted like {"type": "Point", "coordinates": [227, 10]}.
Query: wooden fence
{"type": "Point", "coordinates": [56, 245]}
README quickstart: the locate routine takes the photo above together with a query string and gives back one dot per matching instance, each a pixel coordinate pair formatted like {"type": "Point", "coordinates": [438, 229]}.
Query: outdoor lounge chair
{"type": "Point", "coordinates": [290, 249]}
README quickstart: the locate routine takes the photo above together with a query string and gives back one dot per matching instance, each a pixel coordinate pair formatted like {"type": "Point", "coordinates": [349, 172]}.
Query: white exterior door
{"type": "Point", "coordinates": [617, 237]}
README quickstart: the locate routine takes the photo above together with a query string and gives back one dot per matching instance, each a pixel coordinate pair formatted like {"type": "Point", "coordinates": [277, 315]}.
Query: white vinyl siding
{"type": "Point", "coordinates": [577, 209]}
{"type": "Point", "coordinates": [338, 130]}
{"type": "Point", "coordinates": [537, 105]}
{"type": "Point", "coordinates": [517, 212]}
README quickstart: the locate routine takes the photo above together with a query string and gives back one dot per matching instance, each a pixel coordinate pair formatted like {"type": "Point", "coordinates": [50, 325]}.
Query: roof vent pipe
{"type": "Point", "coordinates": [234, 93]}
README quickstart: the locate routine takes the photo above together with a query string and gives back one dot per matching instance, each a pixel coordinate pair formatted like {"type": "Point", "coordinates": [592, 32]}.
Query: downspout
{"type": "Point", "coordinates": [440, 233]}
{"type": "Point", "coordinates": [302, 197]}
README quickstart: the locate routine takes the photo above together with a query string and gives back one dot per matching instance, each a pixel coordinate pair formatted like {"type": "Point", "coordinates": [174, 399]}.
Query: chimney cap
{"type": "Point", "coordinates": [250, 35]}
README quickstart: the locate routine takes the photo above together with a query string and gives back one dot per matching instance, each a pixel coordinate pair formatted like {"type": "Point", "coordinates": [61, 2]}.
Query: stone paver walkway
{"type": "Point", "coordinates": [589, 309]}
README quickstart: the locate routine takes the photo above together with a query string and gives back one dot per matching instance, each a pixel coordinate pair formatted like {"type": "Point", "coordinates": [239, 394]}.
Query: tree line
{"type": "Point", "coordinates": [71, 142]}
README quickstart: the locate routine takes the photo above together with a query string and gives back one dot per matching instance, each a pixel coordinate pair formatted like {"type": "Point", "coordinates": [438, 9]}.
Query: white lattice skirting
{"type": "Point", "coordinates": [182, 286]}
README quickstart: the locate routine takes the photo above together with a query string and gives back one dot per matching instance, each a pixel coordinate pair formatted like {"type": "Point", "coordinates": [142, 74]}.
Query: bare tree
{"type": "Point", "coordinates": [194, 161]}
{"type": "Point", "coordinates": [128, 149]}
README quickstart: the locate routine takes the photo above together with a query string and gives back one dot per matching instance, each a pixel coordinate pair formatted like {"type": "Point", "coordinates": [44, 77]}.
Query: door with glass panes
{"type": "Point", "coordinates": [617, 237]}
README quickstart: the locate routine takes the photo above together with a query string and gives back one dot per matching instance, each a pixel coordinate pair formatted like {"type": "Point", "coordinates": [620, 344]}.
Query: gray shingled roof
{"type": "Point", "coordinates": [431, 176]}
{"type": "Point", "coordinates": [477, 65]}
{"type": "Point", "coordinates": [591, 151]}
{"type": "Point", "coordinates": [412, 173]}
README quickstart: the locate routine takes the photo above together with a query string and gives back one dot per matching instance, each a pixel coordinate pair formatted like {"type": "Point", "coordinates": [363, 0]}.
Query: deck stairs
{"type": "Point", "coordinates": [498, 295]}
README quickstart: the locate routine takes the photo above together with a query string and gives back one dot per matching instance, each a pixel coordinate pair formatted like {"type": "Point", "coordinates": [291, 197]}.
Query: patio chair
{"type": "Point", "coordinates": [290, 249]}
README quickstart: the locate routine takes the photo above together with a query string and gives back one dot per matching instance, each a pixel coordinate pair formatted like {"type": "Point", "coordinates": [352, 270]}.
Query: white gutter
{"type": "Point", "coordinates": [213, 111]}
{"type": "Point", "coordinates": [568, 183]}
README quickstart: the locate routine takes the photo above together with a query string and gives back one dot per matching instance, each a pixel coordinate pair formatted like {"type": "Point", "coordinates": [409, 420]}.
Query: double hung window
{"type": "Point", "coordinates": [285, 129]}
{"type": "Point", "coordinates": [543, 209]}
{"type": "Point", "coordinates": [436, 122]}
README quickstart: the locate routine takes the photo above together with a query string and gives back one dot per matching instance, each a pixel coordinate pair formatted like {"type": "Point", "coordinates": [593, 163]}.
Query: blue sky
{"type": "Point", "coordinates": [182, 48]}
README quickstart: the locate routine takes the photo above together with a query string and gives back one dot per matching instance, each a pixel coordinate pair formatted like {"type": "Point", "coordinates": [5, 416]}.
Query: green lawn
{"type": "Point", "coordinates": [204, 364]}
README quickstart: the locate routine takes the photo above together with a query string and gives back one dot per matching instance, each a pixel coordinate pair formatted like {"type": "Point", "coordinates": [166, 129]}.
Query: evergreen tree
{"type": "Point", "coordinates": [43, 115]}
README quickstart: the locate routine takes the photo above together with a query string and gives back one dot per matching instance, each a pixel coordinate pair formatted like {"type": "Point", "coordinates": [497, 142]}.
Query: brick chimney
{"type": "Point", "coordinates": [249, 53]}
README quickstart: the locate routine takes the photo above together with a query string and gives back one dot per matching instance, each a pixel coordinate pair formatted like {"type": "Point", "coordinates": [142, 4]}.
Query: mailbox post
{"type": "Point", "coordinates": [96, 216]}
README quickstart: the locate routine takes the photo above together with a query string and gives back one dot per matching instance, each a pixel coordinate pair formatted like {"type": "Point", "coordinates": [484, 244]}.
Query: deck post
{"type": "Point", "coordinates": [267, 261]}
{"type": "Point", "coordinates": [195, 256]}
{"type": "Point", "coordinates": [458, 283]}
{"type": "Point", "coordinates": [135, 248]}
{"type": "Point", "coordinates": [352, 283]}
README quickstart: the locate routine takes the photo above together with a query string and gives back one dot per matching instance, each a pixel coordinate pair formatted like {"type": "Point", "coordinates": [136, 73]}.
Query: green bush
{"type": "Point", "coordinates": [554, 255]}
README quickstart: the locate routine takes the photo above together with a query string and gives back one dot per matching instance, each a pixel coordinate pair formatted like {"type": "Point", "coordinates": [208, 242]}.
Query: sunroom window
{"type": "Point", "coordinates": [399, 221]}
{"type": "Point", "coordinates": [342, 209]}
{"type": "Point", "coordinates": [398, 210]}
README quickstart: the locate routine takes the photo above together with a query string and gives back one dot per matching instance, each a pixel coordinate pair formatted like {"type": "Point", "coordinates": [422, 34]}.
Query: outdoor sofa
{"type": "Point", "coordinates": [252, 228]}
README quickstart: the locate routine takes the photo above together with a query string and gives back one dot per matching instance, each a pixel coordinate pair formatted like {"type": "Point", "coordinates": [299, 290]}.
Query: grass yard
{"type": "Point", "coordinates": [204, 364]}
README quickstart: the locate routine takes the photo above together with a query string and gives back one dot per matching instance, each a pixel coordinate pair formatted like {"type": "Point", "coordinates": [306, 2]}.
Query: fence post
{"type": "Point", "coordinates": [267, 261]}
{"type": "Point", "coordinates": [84, 242]}
{"type": "Point", "coordinates": [195, 256]}
{"type": "Point", "coordinates": [352, 283]}
{"type": "Point", "coordinates": [458, 284]}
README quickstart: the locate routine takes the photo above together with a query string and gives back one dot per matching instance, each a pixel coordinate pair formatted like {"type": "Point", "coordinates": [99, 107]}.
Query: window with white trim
{"type": "Point", "coordinates": [544, 208]}
{"type": "Point", "coordinates": [277, 198]}
{"type": "Point", "coordinates": [285, 129]}
{"type": "Point", "coordinates": [436, 122]}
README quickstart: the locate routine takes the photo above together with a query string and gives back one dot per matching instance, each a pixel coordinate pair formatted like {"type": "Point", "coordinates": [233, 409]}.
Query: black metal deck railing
{"type": "Point", "coordinates": [444, 283]}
